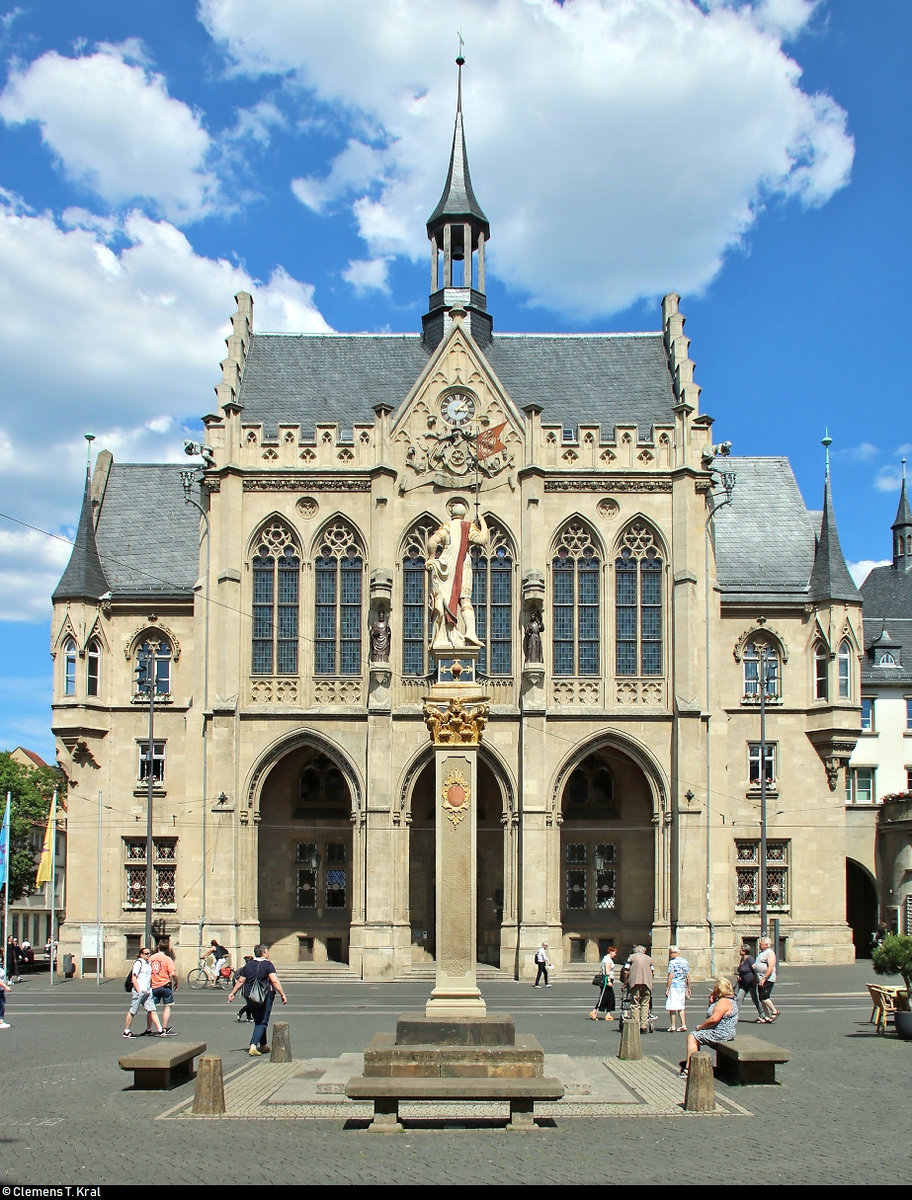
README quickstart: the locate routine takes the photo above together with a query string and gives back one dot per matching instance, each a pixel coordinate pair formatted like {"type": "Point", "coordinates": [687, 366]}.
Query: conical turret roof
{"type": "Point", "coordinates": [84, 577]}
{"type": "Point", "coordinates": [830, 578]}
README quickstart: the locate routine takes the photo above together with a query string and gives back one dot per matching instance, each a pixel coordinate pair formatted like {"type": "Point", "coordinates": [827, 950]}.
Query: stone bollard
{"type": "Point", "coordinates": [281, 1043]}
{"type": "Point", "coordinates": [631, 1041]}
{"type": "Point", "coordinates": [700, 1093]}
{"type": "Point", "coordinates": [209, 1094]}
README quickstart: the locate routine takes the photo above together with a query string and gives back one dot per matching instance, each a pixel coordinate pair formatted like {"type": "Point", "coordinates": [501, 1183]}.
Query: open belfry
{"type": "Point", "coordinates": [458, 642]}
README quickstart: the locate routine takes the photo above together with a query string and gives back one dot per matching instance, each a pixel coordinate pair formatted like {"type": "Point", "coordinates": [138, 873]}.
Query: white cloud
{"type": "Point", "coordinates": [888, 479]}
{"type": "Point", "coordinates": [115, 129]}
{"type": "Point", "coordinates": [366, 275]}
{"type": "Point", "coordinates": [627, 146]}
{"type": "Point", "coordinates": [123, 343]}
{"type": "Point", "coordinates": [860, 570]}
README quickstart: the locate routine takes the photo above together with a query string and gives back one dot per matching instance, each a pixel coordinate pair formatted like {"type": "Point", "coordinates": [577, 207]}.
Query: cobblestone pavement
{"type": "Point", "coordinates": [68, 1114]}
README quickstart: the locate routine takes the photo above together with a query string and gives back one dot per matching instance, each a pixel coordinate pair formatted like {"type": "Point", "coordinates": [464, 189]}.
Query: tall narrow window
{"type": "Point", "coordinates": [338, 574]}
{"type": "Point", "coordinates": [416, 620]}
{"type": "Point", "coordinates": [69, 667]}
{"type": "Point", "coordinates": [492, 600]}
{"type": "Point", "coordinates": [93, 668]}
{"type": "Point", "coordinates": [845, 670]}
{"type": "Point", "coordinates": [821, 670]}
{"type": "Point", "coordinates": [638, 598]}
{"type": "Point", "coordinates": [576, 603]}
{"type": "Point", "coordinates": [276, 574]}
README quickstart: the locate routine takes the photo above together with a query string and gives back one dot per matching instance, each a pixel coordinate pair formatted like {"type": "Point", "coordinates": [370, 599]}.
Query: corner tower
{"type": "Point", "coordinates": [457, 230]}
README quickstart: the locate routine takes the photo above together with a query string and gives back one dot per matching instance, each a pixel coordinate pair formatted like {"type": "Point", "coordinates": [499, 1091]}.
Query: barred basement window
{"type": "Point", "coordinates": [747, 875]}
{"type": "Point", "coordinates": [590, 870]}
{"type": "Point", "coordinates": [164, 873]}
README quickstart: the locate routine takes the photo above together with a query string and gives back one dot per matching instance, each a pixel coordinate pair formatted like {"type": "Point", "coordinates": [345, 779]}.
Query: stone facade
{"type": "Point", "coordinates": [619, 774]}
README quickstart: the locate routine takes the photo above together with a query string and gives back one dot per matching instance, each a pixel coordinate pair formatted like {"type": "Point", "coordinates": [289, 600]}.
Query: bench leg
{"type": "Point", "coordinates": [151, 1079]}
{"type": "Point", "coordinates": [756, 1072]}
{"type": "Point", "coordinates": [522, 1116]}
{"type": "Point", "coordinates": [386, 1117]}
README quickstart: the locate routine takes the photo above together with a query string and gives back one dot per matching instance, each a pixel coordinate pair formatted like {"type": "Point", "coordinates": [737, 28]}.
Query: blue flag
{"type": "Point", "coordinates": [4, 845]}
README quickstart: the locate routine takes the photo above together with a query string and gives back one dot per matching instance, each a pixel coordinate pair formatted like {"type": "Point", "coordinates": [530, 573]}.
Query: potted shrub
{"type": "Point", "coordinates": [894, 957]}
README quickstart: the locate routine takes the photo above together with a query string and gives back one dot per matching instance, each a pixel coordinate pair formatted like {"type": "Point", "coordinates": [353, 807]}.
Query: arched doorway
{"type": "Point", "coordinates": [305, 859]}
{"type": "Point", "coordinates": [490, 866]}
{"type": "Point", "coordinates": [607, 855]}
{"type": "Point", "coordinates": [861, 907]}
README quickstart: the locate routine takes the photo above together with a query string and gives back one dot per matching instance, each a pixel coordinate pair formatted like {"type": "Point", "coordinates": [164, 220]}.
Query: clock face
{"type": "Point", "coordinates": [457, 408]}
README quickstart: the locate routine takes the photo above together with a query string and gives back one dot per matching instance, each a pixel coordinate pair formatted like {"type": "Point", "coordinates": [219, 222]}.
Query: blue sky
{"type": "Point", "coordinates": [155, 159]}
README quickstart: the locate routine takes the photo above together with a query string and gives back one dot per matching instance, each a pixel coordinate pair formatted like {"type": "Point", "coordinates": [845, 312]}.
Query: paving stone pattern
{"type": "Point", "coordinates": [68, 1114]}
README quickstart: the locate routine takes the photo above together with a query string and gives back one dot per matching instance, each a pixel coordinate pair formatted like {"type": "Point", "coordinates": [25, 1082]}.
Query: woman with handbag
{"type": "Point", "coordinates": [605, 980]}
{"type": "Point", "coordinates": [260, 982]}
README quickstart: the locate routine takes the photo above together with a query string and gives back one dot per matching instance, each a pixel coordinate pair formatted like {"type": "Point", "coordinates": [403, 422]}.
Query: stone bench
{"type": "Point", "coordinates": [749, 1059]}
{"type": "Point", "coordinates": [159, 1066]}
{"type": "Point", "coordinates": [387, 1092]}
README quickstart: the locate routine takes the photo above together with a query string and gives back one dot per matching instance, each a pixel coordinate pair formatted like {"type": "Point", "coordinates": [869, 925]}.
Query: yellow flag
{"type": "Point", "coordinates": [44, 863]}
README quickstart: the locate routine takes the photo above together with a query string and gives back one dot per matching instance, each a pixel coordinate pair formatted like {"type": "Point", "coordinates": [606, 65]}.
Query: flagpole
{"type": "Point", "coordinates": [52, 825]}
{"type": "Point", "coordinates": [6, 826]}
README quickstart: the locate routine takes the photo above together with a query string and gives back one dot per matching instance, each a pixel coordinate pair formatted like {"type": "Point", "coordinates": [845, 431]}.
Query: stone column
{"type": "Point", "coordinates": [456, 712]}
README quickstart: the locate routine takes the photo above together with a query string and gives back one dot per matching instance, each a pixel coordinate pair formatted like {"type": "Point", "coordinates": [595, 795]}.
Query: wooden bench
{"type": "Point", "coordinates": [159, 1066]}
{"type": "Point", "coordinates": [387, 1092]}
{"type": "Point", "coordinates": [749, 1059]}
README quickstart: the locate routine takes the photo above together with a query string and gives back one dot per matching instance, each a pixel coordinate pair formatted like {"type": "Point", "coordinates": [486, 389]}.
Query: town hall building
{"type": "Point", "coordinates": [668, 640]}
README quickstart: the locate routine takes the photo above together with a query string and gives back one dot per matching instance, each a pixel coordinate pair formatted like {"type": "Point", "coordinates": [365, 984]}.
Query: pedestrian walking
{"type": "Point", "coordinates": [260, 970]}
{"type": "Point", "coordinates": [677, 990]}
{"type": "Point", "coordinates": [747, 980]}
{"type": "Point", "coordinates": [142, 995]}
{"type": "Point", "coordinates": [765, 970]}
{"type": "Point", "coordinates": [164, 982]}
{"type": "Point", "coordinates": [606, 1000]}
{"type": "Point", "coordinates": [639, 976]}
{"type": "Point", "coordinates": [543, 966]}
{"type": "Point", "coordinates": [244, 1012]}
{"type": "Point", "coordinates": [4, 988]}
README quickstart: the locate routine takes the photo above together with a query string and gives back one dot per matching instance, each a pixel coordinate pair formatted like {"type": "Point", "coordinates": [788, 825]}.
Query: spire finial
{"type": "Point", "coordinates": [460, 62]}
{"type": "Point", "coordinates": [826, 441]}
{"type": "Point", "coordinates": [90, 438]}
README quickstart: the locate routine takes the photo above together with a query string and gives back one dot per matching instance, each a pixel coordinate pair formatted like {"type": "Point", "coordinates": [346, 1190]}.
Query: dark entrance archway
{"type": "Point", "coordinates": [861, 907]}
{"type": "Point", "coordinates": [490, 866]}
{"type": "Point", "coordinates": [305, 859]}
{"type": "Point", "coordinates": [607, 855]}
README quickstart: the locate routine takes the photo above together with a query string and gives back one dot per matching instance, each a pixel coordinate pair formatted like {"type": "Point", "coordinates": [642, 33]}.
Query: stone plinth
{"type": "Point", "coordinates": [525, 1059]}
{"type": "Point", "coordinates": [494, 1029]}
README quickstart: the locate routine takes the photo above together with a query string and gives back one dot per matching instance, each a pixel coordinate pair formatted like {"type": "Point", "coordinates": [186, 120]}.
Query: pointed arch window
{"type": "Point", "coordinates": [492, 600]}
{"type": "Point", "coordinates": [154, 655]}
{"type": "Point", "coordinates": [93, 668]}
{"type": "Point", "coordinates": [276, 589]}
{"type": "Point", "coordinates": [821, 671]}
{"type": "Point", "coordinates": [753, 663]}
{"type": "Point", "coordinates": [339, 579]}
{"type": "Point", "coordinates": [69, 667]}
{"type": "Point", "coordinates": [416, 619]}
{"type": "Point", "coordinates": [845, 669]}
{"type": "Point", "coordinates": [638, 604]}
{"type": "Point", "coordinates": [576, 603]}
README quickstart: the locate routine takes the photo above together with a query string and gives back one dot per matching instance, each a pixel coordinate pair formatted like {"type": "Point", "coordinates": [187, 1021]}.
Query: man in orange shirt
{"type": "Point", "coordinates": [164, 983]}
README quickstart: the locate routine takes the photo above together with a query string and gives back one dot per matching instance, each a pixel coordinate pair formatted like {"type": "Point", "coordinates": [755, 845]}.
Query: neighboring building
{"type": "Point", "coordinates": [30, 916]}
{"type": "Point", "coordinates": [620, 771]}
{"type": "Point", "coordinates": [879, 779]}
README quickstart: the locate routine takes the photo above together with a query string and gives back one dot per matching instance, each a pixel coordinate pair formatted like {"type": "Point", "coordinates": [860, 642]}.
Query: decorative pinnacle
{"type": "Point", "coordinates": [826, 441]}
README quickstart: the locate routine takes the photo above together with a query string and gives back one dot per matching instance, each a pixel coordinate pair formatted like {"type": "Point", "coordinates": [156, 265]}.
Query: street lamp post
{"type": "Point", "coordinates": [145, 683]}
{"type": "Point", "coordinates": [767, 679]}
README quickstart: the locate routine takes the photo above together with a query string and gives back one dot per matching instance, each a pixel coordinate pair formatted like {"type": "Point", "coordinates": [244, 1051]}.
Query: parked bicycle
{"type": "Point", "coordinates": [200, 977]}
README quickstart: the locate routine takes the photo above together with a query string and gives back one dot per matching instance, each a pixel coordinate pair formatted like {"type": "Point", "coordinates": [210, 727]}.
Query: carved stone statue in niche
{"type": "Point", "coordinates": [532, 642]}
{"type": "Point", "coordinates": [380, 638]}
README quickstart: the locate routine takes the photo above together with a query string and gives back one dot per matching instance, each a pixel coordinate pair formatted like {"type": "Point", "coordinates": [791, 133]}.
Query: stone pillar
{"type": "Point", "coordinates": [456, 712]}
{"type": "Point", "coordinates": [700, 1093]}
{"type": "Point", "coordinates": [209, 1092]}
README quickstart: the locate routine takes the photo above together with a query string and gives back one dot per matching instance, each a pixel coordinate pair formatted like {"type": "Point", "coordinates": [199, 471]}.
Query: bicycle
{"type": "Point", "coordinates": [200, 977]}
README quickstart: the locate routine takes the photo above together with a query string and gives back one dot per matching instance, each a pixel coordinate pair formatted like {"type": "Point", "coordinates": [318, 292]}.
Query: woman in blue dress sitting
{"type": "Point", "coordinates": [721, 1022]}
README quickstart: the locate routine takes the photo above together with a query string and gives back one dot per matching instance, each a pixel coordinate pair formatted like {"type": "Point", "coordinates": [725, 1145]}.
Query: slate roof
{"type": "Point", "coordinates": [608, 379]}
{"type": "Point", "coordinates": [887, 595]}
{"type": "Point", "coordinates": [765, 539]}
{"type": "Point", "coordinates": [147, 535]}
{"type": "Point", "coordinates": [84, 577]}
